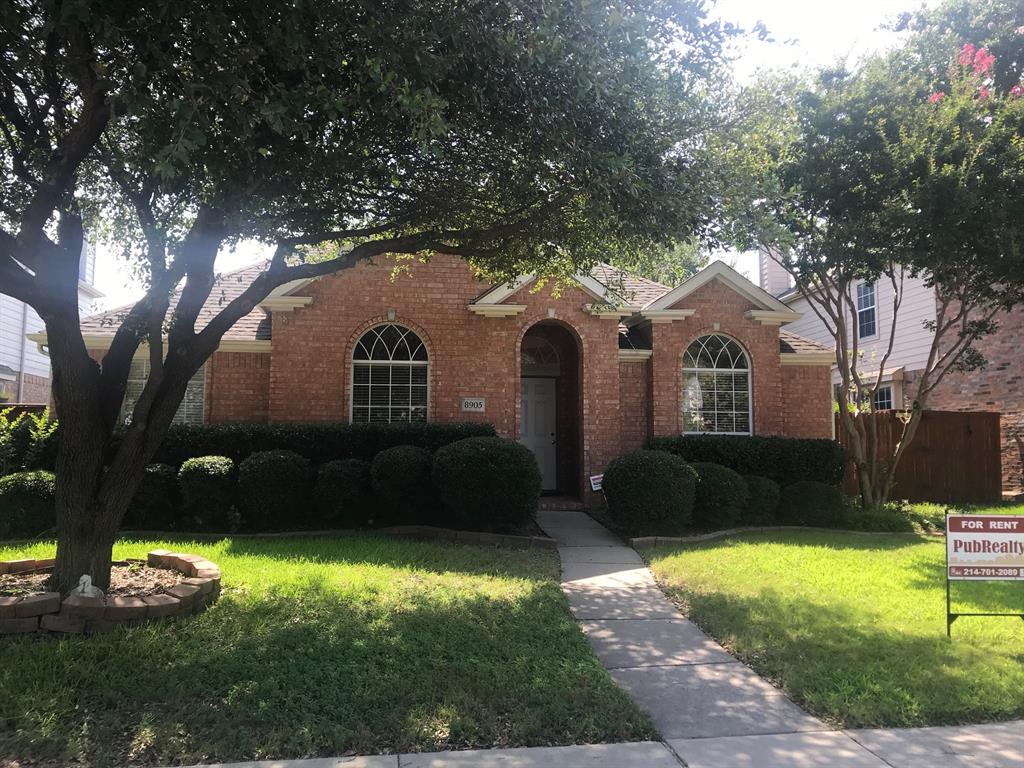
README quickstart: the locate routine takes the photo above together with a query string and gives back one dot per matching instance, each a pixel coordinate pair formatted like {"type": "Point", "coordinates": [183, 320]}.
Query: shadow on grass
{"type": "Point", "coordinates": [838, 665]}
{"type": "Point", "coordinates": [315, 669]}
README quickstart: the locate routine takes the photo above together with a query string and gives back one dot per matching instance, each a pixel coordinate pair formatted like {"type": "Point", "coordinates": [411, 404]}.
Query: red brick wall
{"type": "Point", "coordinates": [998, 387]}
{"type": "Point", "coordinates": [35, 390]}
{"type": "Point", "coordinates": [469, 355]}
{"type": "Point", "coordinates": [634, 404]}
{"type": "Point", "coordinates": [720, 309]}
{"type": "Point", "coordinates": [237, 387]}
{"type": "Point", "coordinates": [806, 401]}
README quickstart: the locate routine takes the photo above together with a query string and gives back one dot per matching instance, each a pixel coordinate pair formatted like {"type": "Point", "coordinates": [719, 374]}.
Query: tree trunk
{"type": "Point", "coordinates": [85, 541]}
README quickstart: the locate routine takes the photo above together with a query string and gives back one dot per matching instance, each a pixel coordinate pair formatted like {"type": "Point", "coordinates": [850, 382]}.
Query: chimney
{"type": "Point", "coordinates": [774, 278]}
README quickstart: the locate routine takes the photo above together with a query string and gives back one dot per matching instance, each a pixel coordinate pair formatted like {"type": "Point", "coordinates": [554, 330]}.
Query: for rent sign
{"type": "Point", "coordinates": [987, 547]}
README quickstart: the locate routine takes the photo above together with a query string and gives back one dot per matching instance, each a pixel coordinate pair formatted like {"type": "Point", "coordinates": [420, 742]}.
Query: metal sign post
{"type": "Point", "coordinates": [982, 548]}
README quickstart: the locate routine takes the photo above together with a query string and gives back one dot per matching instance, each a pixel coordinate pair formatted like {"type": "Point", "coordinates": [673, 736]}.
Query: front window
{"type": "Point", "coordinates": [716, 387]}
{"type": "Point", "coordinates": [190, 411]}
{"type": "Point", "coordinates": [867, 324]}
{"type": "Point", "coordinates": [389, 376]}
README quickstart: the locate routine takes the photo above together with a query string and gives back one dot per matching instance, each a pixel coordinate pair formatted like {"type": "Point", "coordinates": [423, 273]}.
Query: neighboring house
{"type": "Point", "coordinates": [580, 376]}
{"type": "Point", "coordinates": [998, 387]}
{"type": "Point", "coordinates": [24, 368]}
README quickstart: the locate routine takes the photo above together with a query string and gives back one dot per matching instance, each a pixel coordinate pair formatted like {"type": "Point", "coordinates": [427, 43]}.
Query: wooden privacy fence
{"type": "Point", "coordinates": [953, 458]}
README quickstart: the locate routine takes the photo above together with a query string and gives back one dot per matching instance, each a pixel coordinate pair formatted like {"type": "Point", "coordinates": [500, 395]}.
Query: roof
{"type": "Point", "coordinates": [793, 344]}
{"type": "Point", "coordinates": [253, 327]}
{"type": "Point", "coordinates": [634, 289]}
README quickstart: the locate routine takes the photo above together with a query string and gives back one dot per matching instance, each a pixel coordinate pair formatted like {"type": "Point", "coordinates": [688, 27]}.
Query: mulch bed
{"type": "Point", "coordinates": [126, 580]}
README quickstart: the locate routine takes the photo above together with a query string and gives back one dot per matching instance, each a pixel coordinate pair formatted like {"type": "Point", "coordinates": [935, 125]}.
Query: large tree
{"type": "Point", "coordinates": [521, 136]}
{"type": "Point", "coordinates": [883, 174]}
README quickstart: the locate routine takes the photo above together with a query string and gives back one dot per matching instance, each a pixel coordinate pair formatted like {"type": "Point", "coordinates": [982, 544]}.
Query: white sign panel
{"type": "Point", "coordinates": [989, 547]}
{"type": "Point", "coordinates": [474, 404]}
{"type": "Point", "coordinates": [596, 482]}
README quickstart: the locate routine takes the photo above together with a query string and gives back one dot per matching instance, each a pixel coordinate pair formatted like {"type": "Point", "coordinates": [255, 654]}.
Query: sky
{"type": "Point", "coordinates": [805, 33]}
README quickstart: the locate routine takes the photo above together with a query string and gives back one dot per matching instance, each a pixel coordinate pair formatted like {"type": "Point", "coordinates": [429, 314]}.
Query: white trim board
{"type": "Point", "coordinates": [722, 271]}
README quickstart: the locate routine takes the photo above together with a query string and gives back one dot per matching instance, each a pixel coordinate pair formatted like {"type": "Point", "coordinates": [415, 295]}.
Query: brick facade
{"type": "Point", "coordinates": [606, 403]}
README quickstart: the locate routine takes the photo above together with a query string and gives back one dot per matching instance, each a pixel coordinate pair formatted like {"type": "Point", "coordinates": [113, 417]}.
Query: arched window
{"type": "Point", "coordinates": [389, 376]}
{"type": "Point", "coordinates": [716, 387]}
{"type": "Point", "coordinates": [538, 357]}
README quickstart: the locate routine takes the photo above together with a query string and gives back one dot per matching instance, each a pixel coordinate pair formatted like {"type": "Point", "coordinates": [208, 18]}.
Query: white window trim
{"type": "Point", "coordinates": [352, 362]}
{"type": "Point", "coordinates": [750, 386]}
{"type": "Point", "coordinates": [873, 308]}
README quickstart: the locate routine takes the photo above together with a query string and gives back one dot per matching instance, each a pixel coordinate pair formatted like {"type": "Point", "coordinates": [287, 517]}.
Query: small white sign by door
{"type": "Point", "coordinates": [474, 404]}
{"type": "Point", "coordinates": [596, 482]}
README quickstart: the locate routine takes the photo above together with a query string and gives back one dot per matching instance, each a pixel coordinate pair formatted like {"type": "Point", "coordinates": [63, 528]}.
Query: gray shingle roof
{"type": "Point", "coordinates": [790, 342]}
{"type": "Point", "coordinates": [637, 291]}
{"type": "Point", "coordinates": [253, 327]}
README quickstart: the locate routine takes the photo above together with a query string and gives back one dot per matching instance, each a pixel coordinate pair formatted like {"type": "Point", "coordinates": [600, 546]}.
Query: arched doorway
{"type": "Point", "coordinates": [550, 405]}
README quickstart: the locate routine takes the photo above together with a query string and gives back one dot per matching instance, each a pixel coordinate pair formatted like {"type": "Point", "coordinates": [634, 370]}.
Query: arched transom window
{"type": "Point", "coordinates": [716, 387]}
{"type": "Point", "coordinates": [389, 376]}
{"type": "Point", "coordinates": [538, 357]}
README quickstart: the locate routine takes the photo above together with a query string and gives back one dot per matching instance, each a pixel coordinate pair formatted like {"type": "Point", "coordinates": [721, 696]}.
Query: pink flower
{"type": "Point", "coordinates": [983, 93]}
{"type": "Point", "coordinates": [966, 55]}
{"type": "Point", "coordinates": [983, 61]}
{"type": "Point", "coordinates": [936, 97]}
{"type": "Point", "coordinates": [1017, 91]}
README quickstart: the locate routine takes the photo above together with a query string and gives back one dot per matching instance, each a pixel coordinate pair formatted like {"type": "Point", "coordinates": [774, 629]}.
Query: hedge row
{"type": "Point", "coordinates": [656, 493]}
{"type": "Point", "coordinates": [786, 460]}
{"type": "Point", "coordinates": [318, 442]}
{"type": "Point", "coordinates": [481, 483]}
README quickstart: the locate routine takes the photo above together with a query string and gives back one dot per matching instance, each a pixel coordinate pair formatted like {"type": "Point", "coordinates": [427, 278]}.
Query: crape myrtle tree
{"type": "Point", "coordinates": [878, 176]}
{"type": "Point", "coordinates": [521, 136]}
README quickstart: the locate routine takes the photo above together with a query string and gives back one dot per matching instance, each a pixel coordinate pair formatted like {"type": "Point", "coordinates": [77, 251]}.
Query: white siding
{"type": "Point", "coordinates": [913, 340]}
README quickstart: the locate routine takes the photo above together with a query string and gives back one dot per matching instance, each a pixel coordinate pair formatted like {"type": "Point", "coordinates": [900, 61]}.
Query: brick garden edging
{"type": "Point", "coordinates": [77, 614]}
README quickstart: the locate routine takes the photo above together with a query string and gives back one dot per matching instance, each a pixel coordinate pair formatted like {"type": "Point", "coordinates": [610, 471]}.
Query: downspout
{"type": "Point", "coordinates": [21, 362]}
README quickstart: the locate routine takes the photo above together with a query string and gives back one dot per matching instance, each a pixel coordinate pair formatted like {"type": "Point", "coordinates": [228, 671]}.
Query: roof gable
{"type": "Point", "coordinates": [719, 270]}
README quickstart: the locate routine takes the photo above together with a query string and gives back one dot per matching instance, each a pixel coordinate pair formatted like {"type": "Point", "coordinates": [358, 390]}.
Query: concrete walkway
{"type": "Point", "coordinates": [711, 709]}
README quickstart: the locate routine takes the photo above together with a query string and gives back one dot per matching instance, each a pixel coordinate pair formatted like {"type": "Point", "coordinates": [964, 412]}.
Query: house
{"type": "Point", "coordinates": [580, 375]}
{"type": "Point", "coordinates": [997, 387]}
{"type": "Point", "coordinates": [24, 369]}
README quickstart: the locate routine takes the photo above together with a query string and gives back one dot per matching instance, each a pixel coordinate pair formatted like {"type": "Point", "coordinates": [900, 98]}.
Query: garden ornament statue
{"type": "Point", "coordinates": [85, 587]}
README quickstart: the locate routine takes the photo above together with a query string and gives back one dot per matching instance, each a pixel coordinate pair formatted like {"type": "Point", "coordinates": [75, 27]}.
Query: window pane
{"type": "Point", "coordinates": [391, 385]}
{"type": "Point", "coordinates": [716, 387]}
{"type": "Point", "coordinates": [191, 409]}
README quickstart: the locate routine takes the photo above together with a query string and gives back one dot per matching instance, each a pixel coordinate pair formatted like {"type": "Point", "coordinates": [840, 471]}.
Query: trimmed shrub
{"type": "Point", "coordinates": [762, 502]}
{"type": "Point", "coordinates": [721, 497]}
{"type": "Point", "coordinates": [810, 503]}
{"type": "Point", "coordinates": [402, 488]}
{"type": "Point", "coordinates": [650, 493]}
{"type": "Point", "coordinates": [487, 483]}
{"type": "Point", "coordinates": [785, 460]}
{"type": "Point", "coordinates": [28, 441]}
{"type": "Point", "coordinates": [274, 491]}
{"type": "Point", "coordinates": [157, 502]}
{"type": "Point", "coordinates": [342, 494]}
{"type": "Point", "coordinates": [26, 504]}
{"type": "Point", "coordinates": [319, 442]}
{"type": "Point", "coordinates": [208, 490]}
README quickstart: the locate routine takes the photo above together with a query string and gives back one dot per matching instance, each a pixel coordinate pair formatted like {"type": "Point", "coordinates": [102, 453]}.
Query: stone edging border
{"type": "Point", "coordinates": [648, 542]}
{"type": "Point", "coordinates": [78, 614]}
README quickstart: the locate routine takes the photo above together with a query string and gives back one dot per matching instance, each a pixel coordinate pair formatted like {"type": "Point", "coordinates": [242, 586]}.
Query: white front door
{"type": "Point", "coordinates": [537, 426]}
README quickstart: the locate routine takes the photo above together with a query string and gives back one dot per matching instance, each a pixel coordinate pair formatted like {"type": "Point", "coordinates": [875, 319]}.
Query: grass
{"type": "Point", "coordinates": [852, 627]}
{"type": "Point", "coordinates": [320, 646]}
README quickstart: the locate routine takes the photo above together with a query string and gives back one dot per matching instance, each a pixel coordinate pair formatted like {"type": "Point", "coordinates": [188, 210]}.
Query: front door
{"type": "Point", "coordinates": [537, 426]}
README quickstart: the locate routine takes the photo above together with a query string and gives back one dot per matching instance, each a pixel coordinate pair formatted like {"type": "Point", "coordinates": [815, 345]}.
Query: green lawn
{"type": "Point", "coordinates": [317, 647]}
{"type": "Point", "coordinates": [853, 626]}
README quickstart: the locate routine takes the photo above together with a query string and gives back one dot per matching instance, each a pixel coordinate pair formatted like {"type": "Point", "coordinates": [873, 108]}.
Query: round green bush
{"type": "Point", "coordinates": [274, 489]}
{"type": "Point", "coordinates": [342, 493]}
{"type": "Point", "coordinates": [811, 503]}
{"type": "Point", "coordinates": [721, 497]}
{"type": "Point", "coordinates": [26, 504]}
{"type": "Point", "coordinates": [763, 501]}
{"type": "Point", "coordinates": [157, 502]}
{"type": "Point", "coordinates": [487, 483]}
{"type": "Point", "coordinates": [209, 488]}
{"type": "Point", "coordinates": [650, 493]}
{"type": "Point", "coordinates": [402, 488]}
